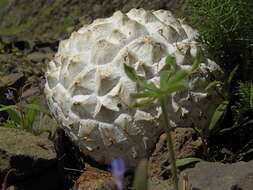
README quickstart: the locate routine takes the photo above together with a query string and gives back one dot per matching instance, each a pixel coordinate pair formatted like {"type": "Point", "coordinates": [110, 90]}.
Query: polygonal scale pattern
{"type": "Point", "coordinates": [88, 91]}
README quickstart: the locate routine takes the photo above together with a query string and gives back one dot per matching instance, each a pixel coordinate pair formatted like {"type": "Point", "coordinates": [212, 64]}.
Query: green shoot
{"type": "Point", "coordinates": [184, 162]}
{"type": "Point", "coordinates": [141, 176]}
{"type": "Point", "coordinates": [22, 116]}
{"type": "Point", "coordinates": [169, 83]}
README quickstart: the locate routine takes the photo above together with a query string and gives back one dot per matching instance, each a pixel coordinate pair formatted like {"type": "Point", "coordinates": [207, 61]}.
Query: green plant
{"type": "Point", "coordinates": [184, 162]}
{"type": "Point", "coordinates": [141, 176]}
{"type": "Point", "coordinates": [226, 27]}
{"type": "Point", "coordinates": [169, 83]}
{"type": "Point", "coordinates": [240, 108]}
{"type": "Point", "coordinates": [8, 47]}
{"type": "Point", "coordinates": [3, 3]}
{"type": "Point", "coordinates": [22, 116]}
{"type": "Point", "coordinates": [243, 108]}
{"type": "Point", "coordinates": [222, 108]}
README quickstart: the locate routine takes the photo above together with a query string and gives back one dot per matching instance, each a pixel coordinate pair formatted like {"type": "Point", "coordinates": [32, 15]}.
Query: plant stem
{"type": "Point", "coordinates": [167, 130]}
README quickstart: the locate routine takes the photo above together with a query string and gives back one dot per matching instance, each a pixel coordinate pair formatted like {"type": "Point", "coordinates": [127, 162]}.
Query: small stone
{"type": "Point", "coordinates": [10, 79]}
{"type": "Point", "coordinates": [31, 158]}
{"type": "Point", "coordinates": [19, 142]}
{"type": "Point", "coordinates": [36, 56]}
{"type": "Point", "coordinates": [219, 176]}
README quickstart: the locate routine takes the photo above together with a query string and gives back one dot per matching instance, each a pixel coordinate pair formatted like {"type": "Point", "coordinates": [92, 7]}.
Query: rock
{"type": "Point", "coordinates": [32, 159]}
{"type": "Point", "coordinates": [92, 97]}
{"type": "Point", "coordinates": [30, 92]}
{"type": "Point", "coordinates": [9, 80]}
{"type": "Point", "coordinates": [219, 176]}
{"type": "Point", "coordinates": [18, 142]}
{"type": "Point", "coordinates": [36, 57]}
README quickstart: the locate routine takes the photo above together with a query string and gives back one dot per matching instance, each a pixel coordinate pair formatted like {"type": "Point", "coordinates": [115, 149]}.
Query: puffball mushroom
{"type": "Point", "coordinates": [89, 93]}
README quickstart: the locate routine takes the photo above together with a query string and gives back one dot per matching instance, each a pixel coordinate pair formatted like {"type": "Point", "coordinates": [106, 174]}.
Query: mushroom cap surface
{"type": "Point", "coordinates": [89, 93]}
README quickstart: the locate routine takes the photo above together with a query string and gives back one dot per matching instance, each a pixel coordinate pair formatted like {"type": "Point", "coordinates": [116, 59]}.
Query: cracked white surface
{"type": "Point", "coordinates": [88, 91]}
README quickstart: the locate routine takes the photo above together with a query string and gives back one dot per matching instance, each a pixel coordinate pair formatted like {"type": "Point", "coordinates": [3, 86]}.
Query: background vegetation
{"type": "Point", "coordinates": [226, 30]}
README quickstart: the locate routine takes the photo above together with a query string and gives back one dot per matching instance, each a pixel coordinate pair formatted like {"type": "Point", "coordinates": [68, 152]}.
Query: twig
{"type": "Point", "coordinates": [76, 170]}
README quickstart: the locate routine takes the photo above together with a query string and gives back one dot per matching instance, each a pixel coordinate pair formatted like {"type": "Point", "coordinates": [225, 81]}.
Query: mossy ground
{"type": "Point", "coordinates": [49, 20]}
{"type": "Point", "coordinates": [34, 20]}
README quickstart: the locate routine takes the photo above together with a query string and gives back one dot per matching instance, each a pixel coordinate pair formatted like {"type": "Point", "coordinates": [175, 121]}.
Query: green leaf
{"type": "Point", "coordinates": [197, 60]}
{"type": "Point", "coordinates": [248, 122]}
{"type": "Point", "coordinates": [37, 108]}
{"type": "Point", "coordinates": [171, 61]}
{"type": "Point", "coordinates": [143, 95]}
{"type": "Point", "coordinates": [232, 74]}
{"type": "Point", "coordinates": [177, 77]}
{"type": "Point", "coordinates": [219, 112]}
{"type": "Point", "coordinates": [141, 176]}
{"type": "Point", "coordinates": [213, 83]}
{"type": "Point", "coordinates": [164, 77]}
{"type": "Point", "coordinates": [11, 124]}
{"type": "Point", "coordinates": [145, 102]}
{"type": "Point", "coordinates": [30, 114]}
{"type": "Point", "coordinates": [185, 161]}
{"type": "Point", "coordinates": [10, 107]}
{"type": "Point", "coordinates": [29, 118]}
{"type": "Point", "coordinates": [15, 116]}
{"type": "Point", "coordinates": [150, 86]}
{"type": "Point", "coordinates": [130, 72]}
{"type": "Point", "coordinates": [180, 86]}
{"type": "Point", "coordinates": [236, 126]}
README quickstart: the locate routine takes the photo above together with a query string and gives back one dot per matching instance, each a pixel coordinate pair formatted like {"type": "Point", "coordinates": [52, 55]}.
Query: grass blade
{"type": "Point", "coordinates": [141, 176]}
{"type": "Point", "coordinates": [29, 118]}
{"type": "Point", "coordinates": [5, 108]}
{"type": "Point", "coordinates": [184, 162]}
{"type": "Point", "coordinates": [15, 116]}
{"type": "Point", "coordinates": [11, 124]}
{"type": "Point", "coordinates": [36, 107]}
{"type": "Point", "coordinates": [143, 95]}
{"type": "Point", "coordinates": [176, 87]}
{"type": "Point", "coordinates": [219, 112]}
{"type": "Point", "coordinates": [150, 86]}
{"type": "Point", "coordinates": [212, 84]}
{"type": "Point", "coordinates": [237, 126]}
{"type": "Point", "coordinates": [197, 60]}
{"type": "Point", "coordinates": [144, 102]}
{"type": "Point", "coordinates": [178, 77]}
{"type": "Point", "coordinates": [164, 77]}
{"type": "Point", "coordinates": [232, 74]}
